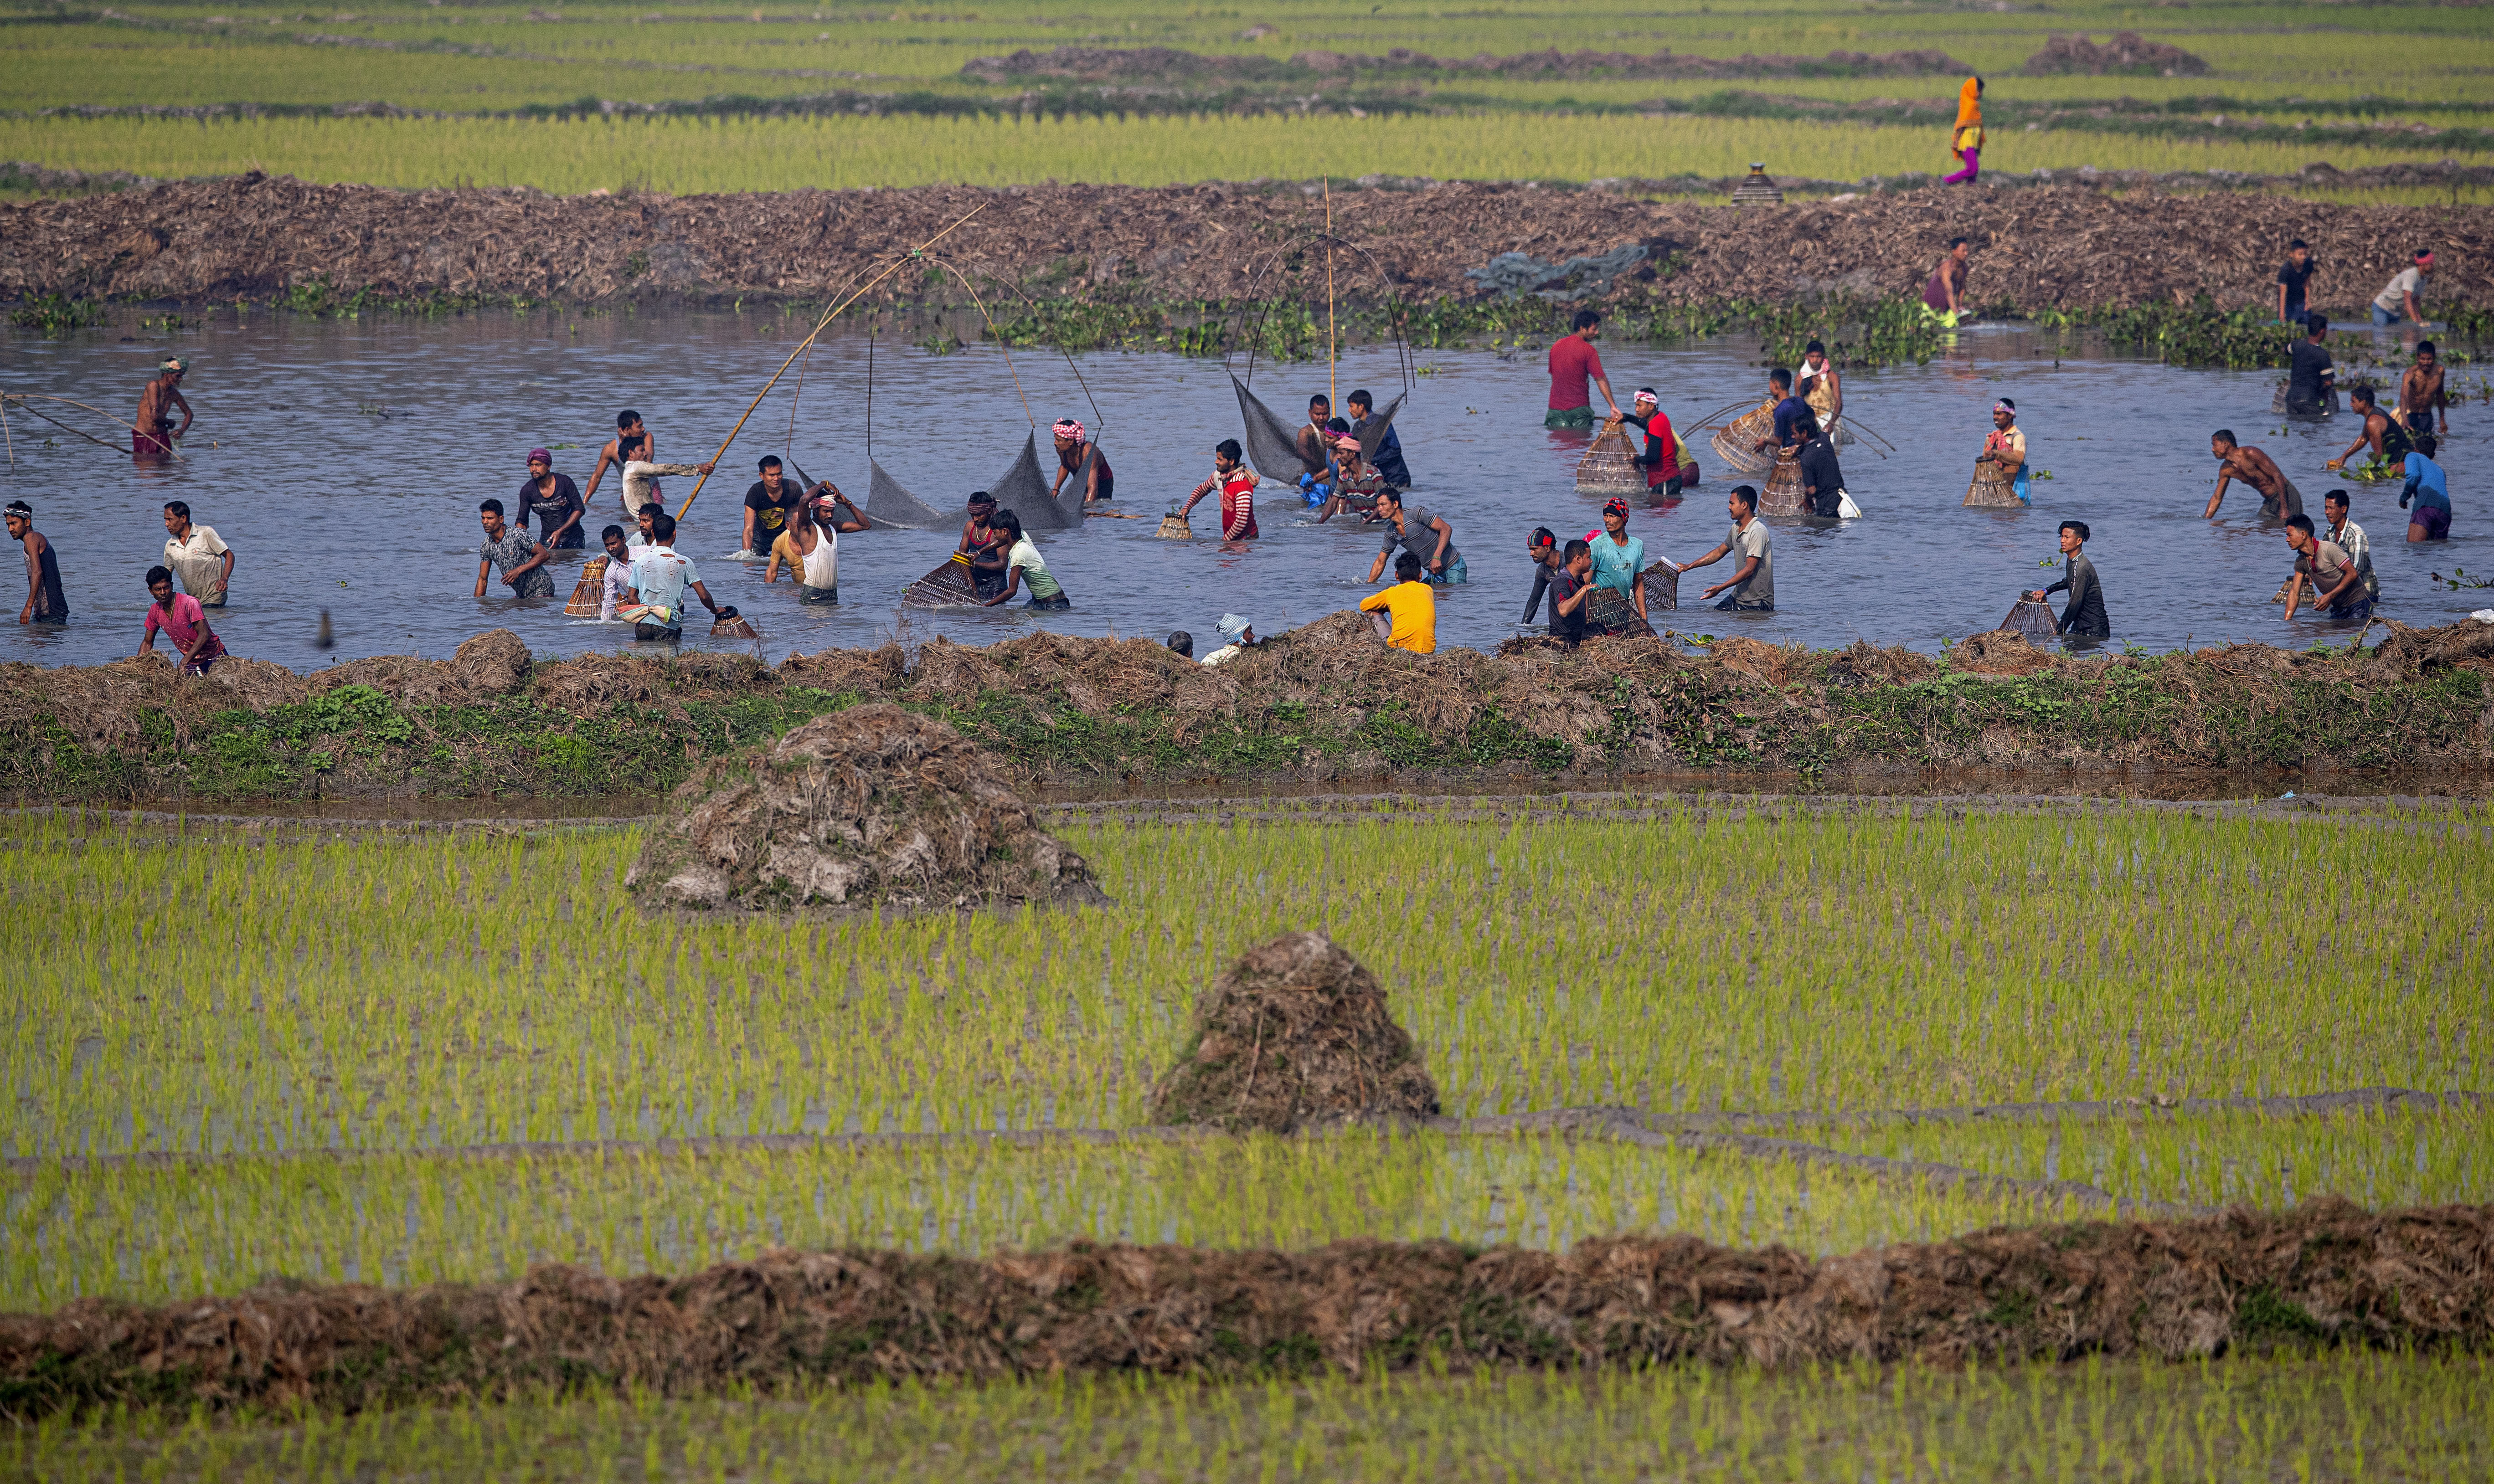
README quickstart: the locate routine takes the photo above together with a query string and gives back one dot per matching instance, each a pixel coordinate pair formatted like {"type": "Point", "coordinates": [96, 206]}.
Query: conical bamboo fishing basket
{"type": "Point", "coordinates": [1610, 467]}
{"type": "Point", "coordinates": [949, 586]}
{"type": "Point", "coordinates": [1991, 487]}
{"type": "Point", "coordinates": [1783, 495]}
{"type": "Point", "coordinates": [1607, 611]}
{"type": "Point", "coordinates": [1733, 445]}
{"type": "Point", "coordinates": [2031, 620]}
{"type": "Point", "coordinates": [1173, 528]}
{"type": "Point", "coordinates": [588, 594]}
{"type": "Point", "coordinates": [1662, 587]}
{"type": "Point", "coordinates": [733, 625]}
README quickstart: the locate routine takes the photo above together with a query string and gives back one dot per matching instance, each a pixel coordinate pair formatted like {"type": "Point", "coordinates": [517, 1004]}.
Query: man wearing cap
{"type": "Point", "coordinates": [152, 438]}
{"type": "Point", "coordinates": [555, 500]}
{"type": "Point", "coordinates": [1660, 460]}
{"type": "Point", "coordinates": [1241, 637]}
{"type": "Point", "coordinates": [2397, 300]}
{"type": "Point", "coordinates": [45, 601]}
{"type": "Point", "coordinates": [1073, 446]}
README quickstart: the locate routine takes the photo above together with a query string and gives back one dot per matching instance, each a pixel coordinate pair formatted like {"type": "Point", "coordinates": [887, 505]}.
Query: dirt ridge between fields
{"type": "Point", "coordinates": [2037, 248]}
{"type": "Point", "coordinates": [2328, 1272]}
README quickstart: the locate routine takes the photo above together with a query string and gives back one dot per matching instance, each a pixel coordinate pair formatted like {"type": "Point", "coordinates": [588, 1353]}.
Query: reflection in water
{"type": "Point", "coordinates": [344, 460]}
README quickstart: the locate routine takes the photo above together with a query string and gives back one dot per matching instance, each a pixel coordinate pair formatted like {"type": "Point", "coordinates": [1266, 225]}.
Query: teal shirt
{"type": "Point", "coordinates": [1616, 563]}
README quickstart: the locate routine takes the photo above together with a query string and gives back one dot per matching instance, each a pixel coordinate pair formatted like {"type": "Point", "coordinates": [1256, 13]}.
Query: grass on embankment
{"type": "Point", "coordinates": [686, 155]}
{"type": "Point", "coordinates": [1323, 702]}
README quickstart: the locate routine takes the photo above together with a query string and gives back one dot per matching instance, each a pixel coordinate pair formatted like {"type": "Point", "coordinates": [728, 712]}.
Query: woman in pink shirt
{"type": "Point", "coordinates": [180, 617]}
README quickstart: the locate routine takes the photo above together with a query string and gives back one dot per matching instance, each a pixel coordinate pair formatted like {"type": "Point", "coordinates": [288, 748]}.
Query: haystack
{"type": "Point", "coordinates": [870, 808]}
{"type": "Point", "coordinates": [1294, 1033]}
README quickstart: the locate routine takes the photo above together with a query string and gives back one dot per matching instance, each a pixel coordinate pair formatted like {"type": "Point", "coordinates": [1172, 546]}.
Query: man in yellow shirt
{"type": "Point", "coordinates": [1407, 612]}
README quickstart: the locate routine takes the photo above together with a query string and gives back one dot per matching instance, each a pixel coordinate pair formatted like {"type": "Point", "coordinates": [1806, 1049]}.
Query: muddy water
{"type": "Point", "coordinates": [343, 459]}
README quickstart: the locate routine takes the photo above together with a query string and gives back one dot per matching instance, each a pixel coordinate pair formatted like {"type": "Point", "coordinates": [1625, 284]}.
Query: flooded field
{"type": "Point", "coordinates": [343, 459]}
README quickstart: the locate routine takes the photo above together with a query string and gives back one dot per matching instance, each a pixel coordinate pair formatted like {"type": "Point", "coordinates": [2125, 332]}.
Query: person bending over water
{"type": "Point", "coordinates": [1423, 534]}
{"type": "Point", "coordinates": [615, 589]}
{"type": "Point", "coordinates": [1573, 362]}
{"type": "Point", "coordinates": [2279, 498]}
{"type": "Point", "coordinates": [2379, 432]}
{"type": "Point", "coordinates": [1023, 560]}
{"type": "Point", "coordinates": [1073, 446]}
{"type": "Point", "coordinates": [2084, 617]}
{"type": "Point", "coordinates": [45, 601]}
{"type": "Point", "coordinates": [1571, 593]}
{"type": "Point", "coordinates": [2335, 581]}
{"type": "Point", "coordinates": [1660, 460]}
{"type": "Point", "coordinates": [183, 621]}
{"type": "Point", "coordinates": [521, 557]}
{"type": "Point", "coordinates": [2430, 488]}
{"type": "Point", "coordinates": [152, 437]}
{"type": "Point", "coordinates": [1752, 586]}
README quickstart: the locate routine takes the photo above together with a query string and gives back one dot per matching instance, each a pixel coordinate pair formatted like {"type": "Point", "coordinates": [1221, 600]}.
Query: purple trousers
{"type": "Point", "coordinates": [1973, 159]}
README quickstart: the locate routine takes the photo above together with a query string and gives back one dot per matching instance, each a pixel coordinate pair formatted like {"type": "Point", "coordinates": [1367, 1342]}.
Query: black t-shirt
{"type": "Point", "coordinates": [1820, 475]}
{"type": "Point", "coordinates": [2295, 278]}
{"type": "Point", "coordinates": [553, 510]}
{"type": "Point", "coordinates": [769, 516]}
{"type": "Point", "coordinates": [1564, 584]}
{"type": "Point", "coordinates": [2305, 376]}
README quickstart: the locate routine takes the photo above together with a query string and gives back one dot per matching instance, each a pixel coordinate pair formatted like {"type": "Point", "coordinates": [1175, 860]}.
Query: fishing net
{"type": "Point", "coordinates": [1662, 587]}
{"type": "Point", "coordinates": [1736, 444]}
{"type": "Point", "coordinates": [1024, 492]}
{"type": "Point", "coordinates": [949, 586]}
{"type": "Point", "coordinates": [2032, 621]}
{"type": "Point", "coordinates": [1070, 503]}
{"type": "Point", "coordinates": [887, 504]}
{"type": "Point", "coordinates": [1373, 436]}
{"type": "Point", "coordinates": [1609, 466]}
{"type": "Point", "coordinates": [1991, 487]}
{"type": "Point", "coordinates": [588, 594]}
{"type": "Point", "coordinates": [1784, 495]}
{"type": "Point", "coordinates": [1609, 611]}
{"type": "Point", "coordinates": [1272, 445]}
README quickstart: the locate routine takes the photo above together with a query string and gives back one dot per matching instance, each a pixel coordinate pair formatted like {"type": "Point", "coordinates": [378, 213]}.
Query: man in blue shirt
{"type": "Point", "coordinates": [1389, 458]}
{"type": "Point", "coordinates": [659, 577]}
{"type": "Point", "coordinates": [2430, 488]}
{"type": "Point", "coordinates": [1789, 411]}
{"type": "Point", "coordinates": [1618, 556]}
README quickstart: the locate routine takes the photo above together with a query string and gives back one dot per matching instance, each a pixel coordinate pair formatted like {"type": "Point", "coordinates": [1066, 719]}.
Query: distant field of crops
{"type": "Point", "coordinates": [683, 154]}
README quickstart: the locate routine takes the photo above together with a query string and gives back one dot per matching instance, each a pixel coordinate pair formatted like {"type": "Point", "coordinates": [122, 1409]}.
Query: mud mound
{"type": "Point", "coordinates": [2325, 1273]}
{"type": "Point", "coordinates": [2410, 651]}
{"type": "Point", "coordinates": [494, 663]}
{"type": "Point", "coordinates": [2127, 54]}
{"type": "Point", "coordinates": [1293, 1034]}
{"type": "Point", "coordinates": [1170, 65]}
{"type": "Point", "coordinates": [592, 685]}
{"type": "Point", "coordinates": [873, 806]}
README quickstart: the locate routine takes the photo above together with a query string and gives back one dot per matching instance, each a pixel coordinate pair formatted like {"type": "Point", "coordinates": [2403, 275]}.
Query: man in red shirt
{"type": "Point", "coordinates": [1661, 456]}
{"type": "Point", "coordinates": [1572, 360]}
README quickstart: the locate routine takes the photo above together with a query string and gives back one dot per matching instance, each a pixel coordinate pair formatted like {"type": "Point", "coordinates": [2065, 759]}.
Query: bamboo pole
{"type": "Point", "coordinates": [829, 315]}
{"type": "Point", "coordinates": [1333, 351]}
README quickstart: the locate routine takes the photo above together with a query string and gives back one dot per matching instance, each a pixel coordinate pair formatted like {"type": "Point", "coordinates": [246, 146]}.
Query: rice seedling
{"type": "Point", "coordinates": [2375, 1157]}
{"type": "Point", "coordinates": [155, 1234]}
{"type": "Point", "coordinates": [226, 992]}
{"type": "Point", "coordinates": [573, 155]}
{"type": "Point", "coordinates": [2344, 1415]}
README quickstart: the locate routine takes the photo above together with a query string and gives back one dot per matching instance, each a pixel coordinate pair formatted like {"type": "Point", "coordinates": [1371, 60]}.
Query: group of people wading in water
{"type": "Point", "coordinates": [1352, 466]}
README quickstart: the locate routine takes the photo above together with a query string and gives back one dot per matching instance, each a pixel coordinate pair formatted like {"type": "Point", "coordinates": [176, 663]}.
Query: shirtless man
{"type": "Point", "coordinates": [1315, 439]}
{"type": "Point", "coordinates": [2420, 393]}
{"type": "Point", "coordinates": [2279, 498]}
{"type": "Point", "coordinates": [152, 439]}
{"type": "Point", "coordinates": [634, 445]}
{"type": "Point", "coordinates": [1074, 450]}
{"type": "Point", "coordinates": [2388, 440]}
{"type": "Point", "coordinates": [979, 543]}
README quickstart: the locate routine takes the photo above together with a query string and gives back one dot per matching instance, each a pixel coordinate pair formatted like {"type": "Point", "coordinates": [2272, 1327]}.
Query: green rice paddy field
{"type": "Point", "coordinates": [2273, 64]}
{"type": "Point", "coordinates": [232, 1053]}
